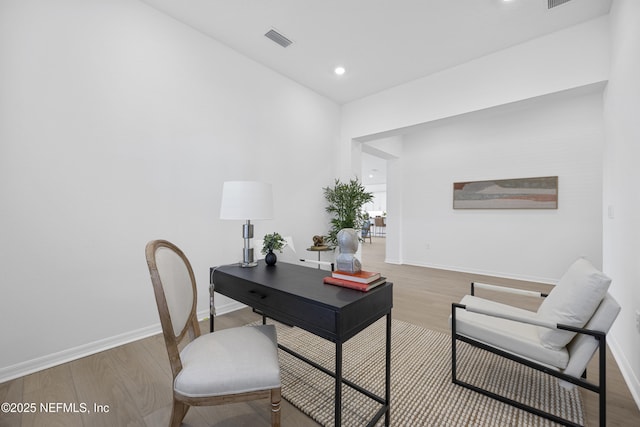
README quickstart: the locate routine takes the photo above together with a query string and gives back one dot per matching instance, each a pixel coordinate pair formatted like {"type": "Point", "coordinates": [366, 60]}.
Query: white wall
{"type": "Point", "coordinates": [621, 194]}
{"type": "Point", "coordinates": [568, 62]}
{"type": "Point", "coordinates": [118, 125]}
{"type": "Point", "coordinates": [574, 57]}
{"type": "Point", "coordinates": [561, 136]}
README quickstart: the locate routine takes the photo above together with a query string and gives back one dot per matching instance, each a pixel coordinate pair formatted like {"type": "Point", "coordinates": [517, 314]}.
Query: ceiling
{"type": "Point", "coordinates": [381, 43]}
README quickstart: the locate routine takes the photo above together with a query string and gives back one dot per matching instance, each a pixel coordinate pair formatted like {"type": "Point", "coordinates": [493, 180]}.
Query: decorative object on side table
{"type": "Point", "coordinates": [318, 244]}
{"type": "Point", "coordinates": [319, 247]}
{"type": "Point", "coordinates": [272, 242]}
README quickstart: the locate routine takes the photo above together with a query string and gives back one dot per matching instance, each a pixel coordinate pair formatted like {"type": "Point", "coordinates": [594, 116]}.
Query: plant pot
{"type": "Point", "coordinates": [270, 258]}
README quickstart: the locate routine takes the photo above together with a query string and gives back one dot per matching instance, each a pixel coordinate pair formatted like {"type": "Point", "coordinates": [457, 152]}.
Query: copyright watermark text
{"type": "Point", "coordinates": [53, 408]}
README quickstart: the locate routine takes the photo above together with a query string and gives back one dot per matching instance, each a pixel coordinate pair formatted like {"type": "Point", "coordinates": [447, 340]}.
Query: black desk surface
{"type": "Point", "coordinates": [295, 295]}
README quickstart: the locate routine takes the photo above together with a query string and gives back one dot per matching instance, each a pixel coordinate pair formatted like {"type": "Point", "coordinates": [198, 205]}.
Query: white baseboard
{"type": "Point", "coordinates": [501, 274]}
{"type": "Point", "coordinates": [625, 368]}
{"type": "Point", "coordinates": [50, 360]}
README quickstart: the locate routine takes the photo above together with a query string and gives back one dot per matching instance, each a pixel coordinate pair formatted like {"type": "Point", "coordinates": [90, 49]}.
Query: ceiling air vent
{"type": "Point", "coordinates": [554, 3]}
{"type": "Point", "coordinates": [279, 38]}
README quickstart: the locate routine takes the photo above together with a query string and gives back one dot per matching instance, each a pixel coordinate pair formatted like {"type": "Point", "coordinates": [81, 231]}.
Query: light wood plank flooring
{"type": "Point", "coordinates": [132, 383]}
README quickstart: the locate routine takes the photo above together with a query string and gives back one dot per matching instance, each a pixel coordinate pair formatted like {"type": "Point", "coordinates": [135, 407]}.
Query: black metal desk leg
{"type": "Point", "coordinates": [338, 396]}
{"type": "Point", "coordinates": [387, 392]}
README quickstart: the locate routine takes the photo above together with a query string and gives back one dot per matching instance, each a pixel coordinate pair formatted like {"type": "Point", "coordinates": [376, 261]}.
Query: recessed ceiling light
{"type": "Point", "coordinates": [339, 71]}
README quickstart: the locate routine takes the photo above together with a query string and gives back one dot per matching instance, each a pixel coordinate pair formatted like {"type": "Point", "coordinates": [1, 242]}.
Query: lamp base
{"type": "Point", "coordinates": [248, 264]}
{"type": "Point", "coordinates": [247, 254]}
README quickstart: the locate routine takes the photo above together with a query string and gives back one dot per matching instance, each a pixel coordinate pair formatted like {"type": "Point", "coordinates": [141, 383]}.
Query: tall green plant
{"type": "Point", "coordinates": [345, 202]}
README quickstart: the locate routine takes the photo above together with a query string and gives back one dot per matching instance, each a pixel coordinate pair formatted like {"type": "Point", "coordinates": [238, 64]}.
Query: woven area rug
{"type": "Point", "coordinates": [421, 392]}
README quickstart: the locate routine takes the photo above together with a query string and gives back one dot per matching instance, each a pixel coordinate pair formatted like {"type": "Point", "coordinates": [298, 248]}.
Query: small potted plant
{"type": "Point", "coordinates": [272, 242]}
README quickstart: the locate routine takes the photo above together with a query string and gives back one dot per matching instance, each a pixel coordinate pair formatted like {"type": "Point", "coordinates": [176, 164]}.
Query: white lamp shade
{"type": "Point", "coordinates": [246, 200]}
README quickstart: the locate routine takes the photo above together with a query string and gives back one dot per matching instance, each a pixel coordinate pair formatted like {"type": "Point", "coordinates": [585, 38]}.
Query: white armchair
{"type": "Point", "coordinates": [559, 339]}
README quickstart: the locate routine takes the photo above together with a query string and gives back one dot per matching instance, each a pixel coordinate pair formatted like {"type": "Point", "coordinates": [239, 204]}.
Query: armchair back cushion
{"type": "Point", "coordinates": [572, 302]}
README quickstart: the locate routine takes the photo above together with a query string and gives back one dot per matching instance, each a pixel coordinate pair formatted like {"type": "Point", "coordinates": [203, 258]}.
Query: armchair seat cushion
{"type": "Point", "coordinates": [229, 361]}
{"type": "Point", "coordinates": [515, 337]}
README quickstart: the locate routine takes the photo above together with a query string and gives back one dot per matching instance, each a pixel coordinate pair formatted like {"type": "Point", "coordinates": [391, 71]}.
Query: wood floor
{"type": "Point", "coordinates": [131, 385]}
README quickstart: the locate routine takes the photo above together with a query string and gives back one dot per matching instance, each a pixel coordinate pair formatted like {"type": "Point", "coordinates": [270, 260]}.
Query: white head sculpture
{"type": "Point", "coordinates": [348, 245]}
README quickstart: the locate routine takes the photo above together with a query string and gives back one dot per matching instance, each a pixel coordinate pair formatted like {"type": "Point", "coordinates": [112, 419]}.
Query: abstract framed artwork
{"type": "Point", "coordinates": [521, 193]}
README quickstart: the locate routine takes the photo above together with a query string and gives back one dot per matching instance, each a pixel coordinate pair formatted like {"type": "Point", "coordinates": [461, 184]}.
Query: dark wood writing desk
{"type": "Point", "coordinates": [296, 296]}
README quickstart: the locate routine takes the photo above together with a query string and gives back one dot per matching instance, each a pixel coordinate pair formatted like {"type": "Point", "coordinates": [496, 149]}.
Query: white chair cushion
{"type": "Point", "coordinates": [572, 302]}
{"type": "Point", "coordinates": [582, 347]}
{"type": "Point", "coordinates": [514, 337]}
{"type": "Point", "coordinates": [230, 361]}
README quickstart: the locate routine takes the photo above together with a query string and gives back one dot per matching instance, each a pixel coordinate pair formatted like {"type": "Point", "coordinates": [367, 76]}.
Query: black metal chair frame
{"type": "Point", "coordinates": [599, 388]}
{"type": "Point", "coordinates": [366, 231]}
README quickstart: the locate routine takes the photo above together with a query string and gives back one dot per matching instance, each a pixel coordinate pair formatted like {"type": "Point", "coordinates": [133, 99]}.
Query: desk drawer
{"type": "Point", "coordinates": [283, 307]}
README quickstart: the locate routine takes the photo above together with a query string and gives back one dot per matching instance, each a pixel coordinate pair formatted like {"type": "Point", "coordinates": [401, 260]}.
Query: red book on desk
{"type": "Point", "coordinates": [364, 287]}
{"type": "Point", "coordinates": [361, 276]}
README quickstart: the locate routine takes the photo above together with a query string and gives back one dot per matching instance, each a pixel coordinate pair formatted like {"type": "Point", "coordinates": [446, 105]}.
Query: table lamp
{"type": "Point", "coordinates": [247, 200]}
